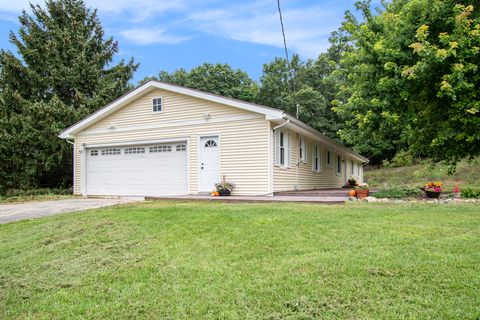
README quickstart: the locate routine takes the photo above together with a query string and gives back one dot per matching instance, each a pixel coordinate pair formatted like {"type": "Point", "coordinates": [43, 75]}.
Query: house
{"type": "Point", "coordinates": [162, 139]}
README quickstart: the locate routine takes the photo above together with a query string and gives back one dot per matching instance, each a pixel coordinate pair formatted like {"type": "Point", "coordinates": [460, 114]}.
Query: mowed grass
{"type": "Point", "coordinates": [197, 260]}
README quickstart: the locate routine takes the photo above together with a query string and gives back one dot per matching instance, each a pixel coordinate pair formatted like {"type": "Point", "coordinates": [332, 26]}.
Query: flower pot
{"type": "Point", "coordinates": [361, 193]}
{"type": "Point", "coordinates": [433, 194]}
{"type": "Point", "coordinates": [456, 195]}
{"type": "Point", "coordinates": [224, 192]}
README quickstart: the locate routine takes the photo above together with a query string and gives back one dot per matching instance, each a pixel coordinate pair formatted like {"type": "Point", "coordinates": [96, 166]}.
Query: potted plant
{"type": "Point", "coordinates": [352, 181]}
{"type": "Point", "coordinates": [456, 192]}
{"type": "Point", "coordinates": [361, 190]}
{"type": "Point", "coordinates": [433, 189]}
{"type": "Point", "coordinates": [224, 188]}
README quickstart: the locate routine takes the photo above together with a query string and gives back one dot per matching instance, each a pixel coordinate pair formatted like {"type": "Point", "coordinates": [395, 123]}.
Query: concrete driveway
{"type": "Point", "coordinates": [32, 210]}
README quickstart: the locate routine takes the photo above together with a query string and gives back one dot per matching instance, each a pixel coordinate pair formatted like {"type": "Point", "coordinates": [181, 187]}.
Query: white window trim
{"type": "Point", "coordinates": [302, 145]}
{"type": "Point", "coordinates": [287, 147]}
{"type": "Point", "coordinates": [162, 104]}
{"type": "Point", "coordinates": [329, 151]}
{"type": "Point", "coordinates": [338, 159]}
{"type": "Point", "coordinates": [316, 155]}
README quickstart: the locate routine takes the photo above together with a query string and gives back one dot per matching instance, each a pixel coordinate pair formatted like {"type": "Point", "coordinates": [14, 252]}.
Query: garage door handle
{"type": "Point", "coordinates": [202, 166]}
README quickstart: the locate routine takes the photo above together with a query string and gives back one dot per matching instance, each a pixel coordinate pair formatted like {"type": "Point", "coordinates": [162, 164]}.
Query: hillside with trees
{"type": "Point", "coordinates": [399, 80]}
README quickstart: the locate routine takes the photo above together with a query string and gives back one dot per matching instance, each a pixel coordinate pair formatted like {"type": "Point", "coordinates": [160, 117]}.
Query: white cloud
{"type": "Point", "coordinates": [307, 29]}
{"type": "Point", "coordinates": [145, 36]}
{"type": "Point", "coordinates": [137, 10]}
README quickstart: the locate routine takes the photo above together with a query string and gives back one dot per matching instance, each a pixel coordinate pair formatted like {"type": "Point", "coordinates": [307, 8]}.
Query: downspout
{"type": "Point", "coordinates": [281, 125]}
{"type": "Point", "coordinates": [273, 130]}
{"type": "Point", "coordinates": [298, 181]}
{"type": "Point", "coordinates": [298, 162]}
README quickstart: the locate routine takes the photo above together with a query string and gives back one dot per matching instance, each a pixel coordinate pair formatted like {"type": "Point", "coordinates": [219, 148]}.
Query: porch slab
{"type": "Point", "coordinates": [279, 198]}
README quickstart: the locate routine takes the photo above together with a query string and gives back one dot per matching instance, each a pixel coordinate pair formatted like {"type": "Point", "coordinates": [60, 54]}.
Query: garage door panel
{"type": "Point", "coordinates": [143, 174]}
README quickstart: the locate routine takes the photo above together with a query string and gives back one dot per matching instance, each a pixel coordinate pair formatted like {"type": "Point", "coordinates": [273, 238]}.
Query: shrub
{"type": "Point", "coordinates": [401, 159]}
{"type": "Point", "coordinates": [469, 193]}
{"type": "Point", "coordinates": [36, 192]}
{"type": "Point", "coordinates": [398, 193]}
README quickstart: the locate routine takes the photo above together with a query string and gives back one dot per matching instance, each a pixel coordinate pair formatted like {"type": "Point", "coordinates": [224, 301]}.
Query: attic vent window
{"type": "Point", "coordinates": [157, 105]}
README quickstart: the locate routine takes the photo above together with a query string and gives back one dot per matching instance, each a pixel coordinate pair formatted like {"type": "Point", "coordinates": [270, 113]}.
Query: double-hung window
{"type": "Point", "coordinates": [302, 150]}
{"type": "Point", "coordinates": [282, 148]}
{"type": "Point", "coordinates": [339, 165]}
{"type": "Point", "coordinates": [316, 159]}
{"type": "Point", "coordinates": [329, 157]}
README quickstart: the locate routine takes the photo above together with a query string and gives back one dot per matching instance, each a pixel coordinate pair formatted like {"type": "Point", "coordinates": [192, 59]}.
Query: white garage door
{"type": "Point", "coordinates": [143, 170]}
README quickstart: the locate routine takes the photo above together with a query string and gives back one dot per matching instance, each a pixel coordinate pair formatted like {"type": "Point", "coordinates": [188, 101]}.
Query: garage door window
{"type": "Point", "coordinates": [134, 150]}
{"type": "Point", "coordinates": [110, 152]}
{"type": "Point", "coordinates": [164, 148]}
{"type": "Point", "coordinates": [181, 147]}
{"type": "Point", "coordinates": [94, 153]}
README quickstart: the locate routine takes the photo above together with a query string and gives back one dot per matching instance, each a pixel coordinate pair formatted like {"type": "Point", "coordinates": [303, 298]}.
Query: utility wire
{"type": "Point", "coordinates": [283, 33]}
{"type": "Point", "coordinates": [290, 71]}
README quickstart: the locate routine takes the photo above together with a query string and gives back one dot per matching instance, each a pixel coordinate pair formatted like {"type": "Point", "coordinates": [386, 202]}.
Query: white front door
{"type": "Point", "coordinates": [209, 163]}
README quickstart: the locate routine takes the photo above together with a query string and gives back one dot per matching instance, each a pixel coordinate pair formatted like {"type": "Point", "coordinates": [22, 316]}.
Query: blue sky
{"type": "Point", "coordinates": [170, 34]}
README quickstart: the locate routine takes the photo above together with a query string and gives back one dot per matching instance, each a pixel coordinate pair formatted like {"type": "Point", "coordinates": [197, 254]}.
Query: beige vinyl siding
{"type": "Point", "coordinates": [176, 107]}
{"type": "Point", "coordinates": [244, 136]}
{"type": "Point", "coordinates": [305, 178]}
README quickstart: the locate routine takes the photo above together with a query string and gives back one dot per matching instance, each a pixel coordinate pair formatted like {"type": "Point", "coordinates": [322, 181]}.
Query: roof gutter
{"type": "Point", "coordinates": [330, 141]}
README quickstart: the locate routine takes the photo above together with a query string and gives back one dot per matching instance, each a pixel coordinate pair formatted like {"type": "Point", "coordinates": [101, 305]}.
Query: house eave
{"type": "Point", "coordinates": [270, 113]}
{"type": "Point", "coordinates": [301, 126]}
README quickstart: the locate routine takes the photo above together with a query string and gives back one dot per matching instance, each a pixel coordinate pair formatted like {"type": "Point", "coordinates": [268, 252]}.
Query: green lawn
{"type": "Point", "coordinates": [192, 260]}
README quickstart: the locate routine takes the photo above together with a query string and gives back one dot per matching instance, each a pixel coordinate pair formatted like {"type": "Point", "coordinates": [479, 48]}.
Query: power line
{"type": "Point", "coordinates": [283, 33]}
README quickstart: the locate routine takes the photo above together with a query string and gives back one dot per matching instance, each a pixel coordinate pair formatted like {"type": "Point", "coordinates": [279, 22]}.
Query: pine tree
{"type": "Point", "coordinates": [62, 72]}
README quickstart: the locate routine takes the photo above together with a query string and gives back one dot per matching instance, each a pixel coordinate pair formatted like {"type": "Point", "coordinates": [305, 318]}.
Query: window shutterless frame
{"type": "Point", "coordinates": [339, 165]}
{"type": "Point", "coordinates": [302, 149]}
{"type": "Point", "coordinates": [282, 148]}
{"type": "Point", "coordinates": [157, 104]}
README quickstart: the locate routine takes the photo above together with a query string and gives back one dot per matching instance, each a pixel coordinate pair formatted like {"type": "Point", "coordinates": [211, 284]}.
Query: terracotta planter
{"type": "Point", "coordinates": [361, 193]}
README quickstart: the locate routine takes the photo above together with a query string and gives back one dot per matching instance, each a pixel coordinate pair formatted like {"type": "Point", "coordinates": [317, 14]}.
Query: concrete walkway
{"type": "Point", "coordinates": [38, 209]}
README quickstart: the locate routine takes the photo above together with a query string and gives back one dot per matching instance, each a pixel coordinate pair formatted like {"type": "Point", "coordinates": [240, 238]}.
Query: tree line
{"type": "Point", "coordinates": [400, 80]}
